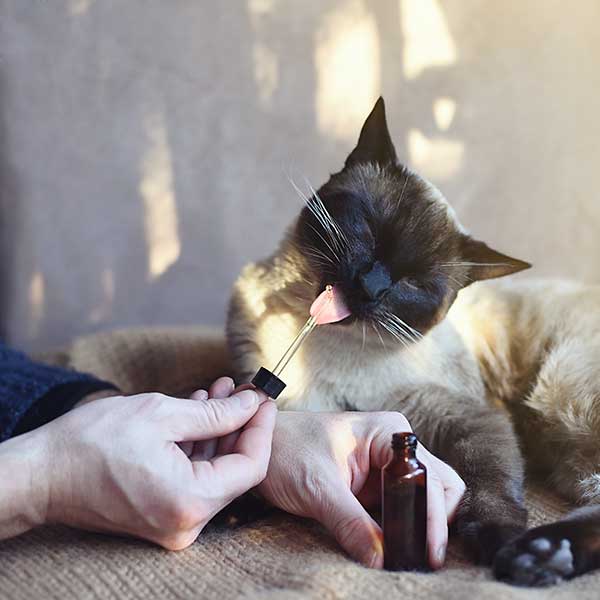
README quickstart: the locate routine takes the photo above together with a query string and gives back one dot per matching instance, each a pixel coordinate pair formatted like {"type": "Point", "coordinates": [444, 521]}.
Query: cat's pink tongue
{"type": "Point", "coordinates": [329, 307]}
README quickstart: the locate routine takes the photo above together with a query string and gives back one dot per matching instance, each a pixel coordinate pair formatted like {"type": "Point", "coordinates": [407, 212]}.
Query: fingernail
{"type": "Point", "coordinates": [247, 398]}
{"type": "Point", "coordinates": [201, 395]}
{"type": "Point", "coordinates": [441, 554]}
{"type": "Point", "coordinates": [374, 560]}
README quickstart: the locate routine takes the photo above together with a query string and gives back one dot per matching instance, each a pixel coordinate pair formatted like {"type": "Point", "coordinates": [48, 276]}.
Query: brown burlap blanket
{"type": "Point", "coordinates": [280, 557]}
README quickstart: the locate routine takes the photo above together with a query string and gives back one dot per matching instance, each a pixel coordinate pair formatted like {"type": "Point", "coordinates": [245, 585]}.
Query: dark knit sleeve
{"type": "Point", "coordinates": [31, 394]}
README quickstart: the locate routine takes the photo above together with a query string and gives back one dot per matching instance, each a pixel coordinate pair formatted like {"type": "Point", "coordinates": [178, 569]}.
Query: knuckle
{"type": "Point", "coordinates": [156, 397]}
{"type": "Point", "coordinates": [151, 403]}
{"type": "Point", "coordinates": [180, 517]}
{"type": "Point", "coordinates": [459, 485]}
{"type": "Point", "coordinates": [213, 414]}
{"type": "Point", "coordinates": [179, 541]}
{"type": "Point", "coordinates": [436, 483]}
{"type": "Point", "coordinates": [348, 528]}
{"type": "Point", "coordinates": [396, 420]}
{"type": "Point", "coordinates": [261, 473]}
{"type": "Point", "coordinates": [316, 487]}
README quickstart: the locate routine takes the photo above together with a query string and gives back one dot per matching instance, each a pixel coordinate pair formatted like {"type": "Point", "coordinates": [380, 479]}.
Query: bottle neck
{"type": "Point", "coordinates": [405, 453]}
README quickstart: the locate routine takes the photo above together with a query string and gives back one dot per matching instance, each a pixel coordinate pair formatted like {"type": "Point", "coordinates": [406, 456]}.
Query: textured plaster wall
{"type": "Point", "coordinates": [145, 145]}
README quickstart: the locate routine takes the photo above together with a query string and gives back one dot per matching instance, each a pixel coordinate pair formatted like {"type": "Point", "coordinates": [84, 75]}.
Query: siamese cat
{"type": "Point", "coordinates": [489, 374]}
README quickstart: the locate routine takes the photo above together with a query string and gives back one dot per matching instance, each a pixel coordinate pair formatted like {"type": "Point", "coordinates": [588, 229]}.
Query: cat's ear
{"type": "Point", "coordinates": [374, 143]}
{"type": "Point", "coordinates": [487, 263]}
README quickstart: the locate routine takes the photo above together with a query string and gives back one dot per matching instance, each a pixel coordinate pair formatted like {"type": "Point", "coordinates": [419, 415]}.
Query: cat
{"type": "Point", "coordinates": [490, 374]}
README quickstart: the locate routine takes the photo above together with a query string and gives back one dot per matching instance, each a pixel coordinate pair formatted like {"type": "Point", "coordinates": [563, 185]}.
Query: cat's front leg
{"type": "Point", "coordinates": [478, 441]}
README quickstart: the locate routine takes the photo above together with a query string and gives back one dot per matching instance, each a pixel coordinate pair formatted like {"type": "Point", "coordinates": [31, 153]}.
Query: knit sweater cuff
{"type": "Point", "coordinates": [37, 393]}
{"type": "Point", "coordinates": [59, 400]}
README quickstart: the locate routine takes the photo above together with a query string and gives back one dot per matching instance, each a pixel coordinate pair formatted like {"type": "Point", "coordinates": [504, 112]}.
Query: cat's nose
{"type": "Point", "coordinates": [375, 282]}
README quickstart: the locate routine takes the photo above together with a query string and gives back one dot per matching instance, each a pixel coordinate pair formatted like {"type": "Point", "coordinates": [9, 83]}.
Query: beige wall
{"type": "Point", "coordinates": [144, 145]}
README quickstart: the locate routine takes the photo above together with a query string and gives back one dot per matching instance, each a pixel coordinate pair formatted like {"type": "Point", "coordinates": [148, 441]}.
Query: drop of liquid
{"type": "Point", "coordinates": [329, 307]}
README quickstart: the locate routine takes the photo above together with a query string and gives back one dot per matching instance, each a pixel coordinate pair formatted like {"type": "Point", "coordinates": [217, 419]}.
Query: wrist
{"type": "Point", "coordinates": [24, 497]}
{"type": "Point", "coordinates": [96, 396]}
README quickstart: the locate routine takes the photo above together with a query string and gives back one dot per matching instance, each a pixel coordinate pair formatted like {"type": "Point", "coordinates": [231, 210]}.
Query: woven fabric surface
{"type": "Point", "coordinates": [280, 557]}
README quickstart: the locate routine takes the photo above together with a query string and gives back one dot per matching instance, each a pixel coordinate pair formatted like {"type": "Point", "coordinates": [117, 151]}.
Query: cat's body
{"type": "Point", "coordinates": [530, 348]}
{"type": "Point", "coordinates": [471, 366]}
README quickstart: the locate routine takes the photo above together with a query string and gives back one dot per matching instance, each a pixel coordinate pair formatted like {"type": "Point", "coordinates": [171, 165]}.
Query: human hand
{"type": "Point", "coordinates": [327, 466]}
{"type": "Point", "coordinates": [115, 464]}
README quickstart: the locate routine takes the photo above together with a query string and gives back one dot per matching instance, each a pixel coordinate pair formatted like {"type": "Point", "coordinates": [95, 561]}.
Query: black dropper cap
{"type": "Point", "coordinates": [270, 384]}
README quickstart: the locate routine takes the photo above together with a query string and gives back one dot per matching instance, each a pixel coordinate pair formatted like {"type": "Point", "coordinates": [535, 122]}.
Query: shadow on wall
{"type": "Point", "coordinates": [183, 125]}
{"type": "Point", "coordinates": [8, 222]}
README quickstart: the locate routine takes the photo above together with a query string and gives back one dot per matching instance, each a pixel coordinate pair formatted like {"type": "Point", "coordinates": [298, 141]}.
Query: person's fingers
{"type": "Point", "coordinates": [242, 387]}
{"type": "Point", "coordinates": [454, 490]}
{"type": "Point", "coordinates": [226, 444]}
{"type": "Point", "coordinates": [259, 429]}
{"type": "Point", "coordinates": [356, 532]}
{"type": "Point", "coordinates": [385, 425]}
{"type": "Point", "coordinates": [188, 447]}
{"type": "Point", "coordinates": [454, 486]}
{"type": "Point", "coordinates": [262, 397]}
{"type": "Point", "coordinates": [193, 420]}
{"type": "Point", "coordinates": [437, 522]}
{"type": "Point", "coordinates": [370, 494]}
{"type": "Point", "coordinates": [236, 473]}
{"type": "Point", "coordinates": [221, 388]}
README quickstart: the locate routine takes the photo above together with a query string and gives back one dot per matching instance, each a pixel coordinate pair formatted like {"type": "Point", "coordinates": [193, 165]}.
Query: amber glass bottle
{"type": "Point", "coordinates": [404, 507]}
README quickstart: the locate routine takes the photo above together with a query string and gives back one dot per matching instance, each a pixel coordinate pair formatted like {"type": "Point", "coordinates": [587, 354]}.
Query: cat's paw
{"type": "Point", "coordinates": [483, 540]}
{"type": "Point", "coordinates": [535, 561]}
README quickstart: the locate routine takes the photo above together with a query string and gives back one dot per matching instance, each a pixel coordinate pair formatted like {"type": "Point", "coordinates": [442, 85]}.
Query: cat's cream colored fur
{"type": "Point", "coordinates": [531, 347]}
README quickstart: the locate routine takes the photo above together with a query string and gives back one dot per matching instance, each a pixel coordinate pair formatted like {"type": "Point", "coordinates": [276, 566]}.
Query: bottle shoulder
{"type": "Point", "coordinates": [404, 468]}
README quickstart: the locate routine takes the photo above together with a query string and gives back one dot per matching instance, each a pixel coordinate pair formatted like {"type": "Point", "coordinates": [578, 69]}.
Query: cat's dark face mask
{"type": "Point", "coordinates": [389, 241]}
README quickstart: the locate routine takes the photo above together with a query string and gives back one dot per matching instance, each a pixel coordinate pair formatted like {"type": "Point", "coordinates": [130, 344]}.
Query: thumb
{"type": "Point", "coordinates": [192, 420]}
{"type": "Point", "coordinates": [356, 532]}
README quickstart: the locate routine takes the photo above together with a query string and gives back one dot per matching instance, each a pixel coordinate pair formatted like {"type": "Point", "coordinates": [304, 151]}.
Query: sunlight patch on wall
{"type": "Point", "coordinates": [79, 7]}
{"type": "Point", "coordinates": [348, 70]}
{"type": "Point", "coordinates": [260, 7]}
{"type": "Point", "coordinates": [103, 310]}
{"type": "Point", "coordinates": [160, 209]}
{"type": "Point", "coordinates": [266, 72]}
{"type": "Point", "coordinates": [437, 158]}
{"type": "Point", "coordinates": [37, 302]}
{"type": "Point", "coordinates": [444, 110]}
{"type": "Point", "coordinates": [427, 39]}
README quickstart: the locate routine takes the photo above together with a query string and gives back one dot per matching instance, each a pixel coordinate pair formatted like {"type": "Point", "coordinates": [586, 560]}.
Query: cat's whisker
{"type": "Point", "coordinates": [391, 325]}
{"type": "Point", "coordinates": [318, 254]}
{"type": "Point", "coordinates": [321, 215]}
{"type": "Point", "coordinates": [394, 333]}
{"type": "Point", "coordinates": [399, 332]}
{"type": "Point", "coordinates": [316, 207]}
{"type": "Point", "coordinates": [407, 334]}
{"type": "Point", "coordinates": [403, 188]}
{"type": "Point", "coordinates": [379, 335]}
{"type": "Point", "coordinates": [458, 283]}
{"type": "Point", "coordinates": [364, 336]}
{"type": "Point", "coordinates": [472, 264]}
{"type": "Point", "coordinates": [326, 213]}
{"type": "Point", "coordinates": [325, 225]}
{"type": "Point", "coordinates": [321, 259]}
{"type": "Point", "coordinates": [413, 333]}
{"type": "Point", "coordinates": [335, 254]}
